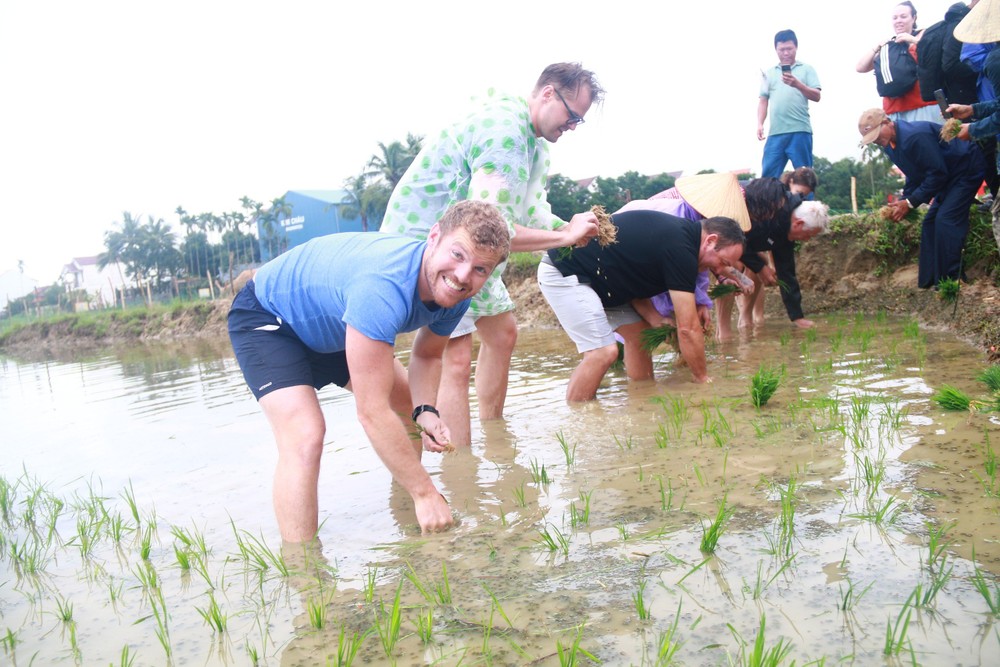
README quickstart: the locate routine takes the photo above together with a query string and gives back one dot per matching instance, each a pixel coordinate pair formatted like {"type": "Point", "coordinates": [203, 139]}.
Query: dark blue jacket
{"type": "Point", "coordinates": [930, 164]}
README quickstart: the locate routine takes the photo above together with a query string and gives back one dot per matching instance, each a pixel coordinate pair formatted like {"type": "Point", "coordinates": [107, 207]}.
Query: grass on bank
{"type": "Point", "coordinates": [895, 244]}
{"type": "Point", "coordinates": [132, 322]}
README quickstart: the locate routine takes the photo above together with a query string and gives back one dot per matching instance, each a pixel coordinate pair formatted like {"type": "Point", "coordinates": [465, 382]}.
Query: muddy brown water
{"type": "Point", "coordinates": [854, 502]}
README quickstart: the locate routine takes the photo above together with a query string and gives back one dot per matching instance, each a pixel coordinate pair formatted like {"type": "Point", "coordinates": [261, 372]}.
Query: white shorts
{"type": "Point", "coordinates": [466, 325]}
{"type": "Point", "coordinates": [582, 315]}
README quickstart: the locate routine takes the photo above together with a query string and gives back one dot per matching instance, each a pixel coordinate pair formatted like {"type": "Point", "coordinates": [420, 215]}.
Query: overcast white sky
{"type": "Point", "coordinates": [141, 106]}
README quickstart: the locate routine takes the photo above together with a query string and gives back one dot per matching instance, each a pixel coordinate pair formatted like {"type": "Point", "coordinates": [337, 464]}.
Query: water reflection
{"type": "Point", "coordinates": [835, 487]}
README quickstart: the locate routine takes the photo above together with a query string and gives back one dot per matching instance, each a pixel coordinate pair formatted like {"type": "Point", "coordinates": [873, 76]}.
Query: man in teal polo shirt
{"type": "Point", "coordinates": [787, 88]}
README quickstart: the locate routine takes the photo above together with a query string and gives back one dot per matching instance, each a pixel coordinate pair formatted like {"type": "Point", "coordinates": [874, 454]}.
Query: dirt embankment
{"type": "Point", "coordinates": [838, 274]}
{"type": "Point", "coordinates": [836, 271]}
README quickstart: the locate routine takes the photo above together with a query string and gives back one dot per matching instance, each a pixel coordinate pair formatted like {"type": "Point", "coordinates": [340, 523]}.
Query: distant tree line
{"type": "Point", "coordinates": [218, 246]}
{"type": "Point", "coordinates": [369, 191]}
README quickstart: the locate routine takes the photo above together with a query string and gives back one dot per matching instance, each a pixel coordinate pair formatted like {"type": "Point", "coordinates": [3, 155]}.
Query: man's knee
{"type": "Point", "coordinates": [498, 332]}
{"type": "Point", "coordinates": [602, 356]}
{"type": "Point", "coordinates": [304, 447]}
{"type": "Point", "coordinates": [457, 357]}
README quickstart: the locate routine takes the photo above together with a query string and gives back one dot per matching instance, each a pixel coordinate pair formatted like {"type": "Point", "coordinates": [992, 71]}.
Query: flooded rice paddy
{"type": "Point", "coordinates": [850, 519]}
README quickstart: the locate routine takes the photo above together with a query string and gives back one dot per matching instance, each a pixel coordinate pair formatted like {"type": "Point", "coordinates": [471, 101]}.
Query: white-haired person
{"type": "Point", "coordinates": [795, 222]}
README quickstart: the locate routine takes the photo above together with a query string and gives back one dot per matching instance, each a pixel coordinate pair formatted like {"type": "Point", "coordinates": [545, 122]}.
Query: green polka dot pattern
{"type": "Point", "coordinates": [492, 153]}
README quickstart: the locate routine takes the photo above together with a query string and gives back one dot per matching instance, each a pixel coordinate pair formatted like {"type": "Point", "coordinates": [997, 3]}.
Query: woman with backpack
{"type": "Point", "coordinates": [895, 65]}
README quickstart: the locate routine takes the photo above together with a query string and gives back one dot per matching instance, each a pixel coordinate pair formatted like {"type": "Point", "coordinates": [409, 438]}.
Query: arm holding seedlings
{"type": "Point", "coordinates": [925, 151]}
{"type": "Point", "coordinates": [985, 117]}
{"type": "Point", "coordinates": [690, 335]}
{"type": "Point", "coordinates": [372, 380]}
{"type": "Point", "coordinates": [544, 231]}
{"type": "Point", "coordinates": [425, 376]}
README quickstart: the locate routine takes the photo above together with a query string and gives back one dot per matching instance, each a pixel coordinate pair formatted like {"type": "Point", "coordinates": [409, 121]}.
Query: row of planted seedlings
{"type": "Point", "coordinates": [97, 579]}
{"type": "Point", "coordinates": [409, 606]}
{"type": "Point", "coordinates": [864, 429]}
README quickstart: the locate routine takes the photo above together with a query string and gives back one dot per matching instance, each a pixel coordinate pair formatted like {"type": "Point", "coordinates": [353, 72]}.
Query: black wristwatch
{"type": "Point", "coordinates": [421, 409]}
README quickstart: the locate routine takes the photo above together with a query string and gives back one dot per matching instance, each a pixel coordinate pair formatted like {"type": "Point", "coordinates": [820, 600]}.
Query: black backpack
{"type": "Point", "coordinates": [930, 49]}
{"type": "Point", "coordinates": [939, 64]}
{"type": "Point", "coordinates": [895, 69]}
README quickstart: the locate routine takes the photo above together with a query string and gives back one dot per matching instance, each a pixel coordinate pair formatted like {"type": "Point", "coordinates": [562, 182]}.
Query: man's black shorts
{"type": "Point", "coordinates": [272, 356]}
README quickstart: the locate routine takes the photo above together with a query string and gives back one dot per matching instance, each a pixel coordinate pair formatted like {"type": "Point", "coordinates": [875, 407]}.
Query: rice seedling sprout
{"type": "Point", "coordinates": [388, 622]}
{"type": "Point", "coordinates": [952, 398]}
{"type": "Point", "coordinates": [712, 533]}
{"type": "Point", "coordinates": [763, 384]}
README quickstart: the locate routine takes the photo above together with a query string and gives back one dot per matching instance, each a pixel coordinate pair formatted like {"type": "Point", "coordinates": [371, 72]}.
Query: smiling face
{"type": "Point", "coordinates": [902, 19]}
{"type": "Point", "coordinates": [715, 259]}
{"type": "Point", "coordinates": [553, 111]}
{"type": "Point", "coordinates": [453, 268]}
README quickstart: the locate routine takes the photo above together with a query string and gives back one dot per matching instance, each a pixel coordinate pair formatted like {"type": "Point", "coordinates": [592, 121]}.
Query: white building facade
{"type": "Point", "coordinates": [100, 285]}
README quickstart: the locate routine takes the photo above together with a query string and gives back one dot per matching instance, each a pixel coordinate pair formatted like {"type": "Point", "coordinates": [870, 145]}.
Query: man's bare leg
{"type": "Point", "coordinates": [638, 362]}
{"type": "Point", "coordinates": [748, 303]}
{"type": "Point", "coordinates": [724, 317]}
{"type": "Point", "coordinates": [453, 393]}
{"type": "Point", "coordinates": [585, 380]}
{"type": "Point", "coordinates": [497, 337]}
{"type": "Point", "coordinates": [299, 427]}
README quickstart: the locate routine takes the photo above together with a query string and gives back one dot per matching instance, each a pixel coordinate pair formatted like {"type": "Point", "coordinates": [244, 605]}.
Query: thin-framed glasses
{"type": "Point", "coordinates": [574, 117]}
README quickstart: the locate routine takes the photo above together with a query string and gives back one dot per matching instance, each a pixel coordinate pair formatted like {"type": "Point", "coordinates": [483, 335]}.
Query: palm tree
{"type": "Point", "coordinates": [160, 257]}
{"type": "Point", "coordinates": [264, 220]}
{"type": "Point", "coordinates": [393, 160]}
{"type": "Point", "coordinates": [365, 198]}
{"type": "Point", "coordinates": [193, 251]}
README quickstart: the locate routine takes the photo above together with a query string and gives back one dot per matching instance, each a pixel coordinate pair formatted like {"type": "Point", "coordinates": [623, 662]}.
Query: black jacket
{"type": "Point", "coordinates": [772, 236]}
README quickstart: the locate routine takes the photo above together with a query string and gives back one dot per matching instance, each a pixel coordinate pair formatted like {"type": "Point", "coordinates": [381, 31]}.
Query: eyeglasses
{"type": "Point", "coordinates": [574, 117]}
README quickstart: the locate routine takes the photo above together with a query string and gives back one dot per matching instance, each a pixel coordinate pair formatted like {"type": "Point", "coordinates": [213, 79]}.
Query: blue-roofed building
{"type": "Point", "coordinates": [313, 213]}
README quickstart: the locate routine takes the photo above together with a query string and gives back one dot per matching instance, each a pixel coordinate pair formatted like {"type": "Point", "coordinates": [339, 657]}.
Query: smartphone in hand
{"type": "Point", "coordinates": [786, 69]}
{"type": "Point", "coordinates": [942, 102]}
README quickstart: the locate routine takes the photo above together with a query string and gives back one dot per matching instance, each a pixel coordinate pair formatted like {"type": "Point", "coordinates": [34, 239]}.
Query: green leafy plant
{"type": "Point", "coordinates": [948, 289]}
{"type": "Point", "coordinates": [763, 384]}
{"type": "Point", "coordinates": [991, 378]}
{"type": "Point", "coordinates": [712, 533]}
{"type": "Point", "coordinates": [951, 398]}
{"type": "Point", "coordinates": [720, 290]}
{"type": "Point", "coordinates": [653, 337]}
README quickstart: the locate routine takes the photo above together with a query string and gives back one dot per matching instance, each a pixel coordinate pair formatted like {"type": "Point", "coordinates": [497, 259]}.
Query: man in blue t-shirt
{"type": "Point", "coordinates": [787, 89]}
{"type": "Point", "coordinates": [328, 311]}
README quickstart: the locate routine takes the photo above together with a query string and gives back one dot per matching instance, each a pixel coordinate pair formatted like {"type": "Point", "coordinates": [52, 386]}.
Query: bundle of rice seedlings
{"type": "Point", "coordinates": [991, 378]}
{"type": "Point", "coordinates": [652, 338]}
{"type": "Point", "coordinates": [950, 129]}
{"type": "Point", "coordinates": [763, 384]}
{"type": "Point", "coordinates": [719, 290]}
{"type": "Point", "coordinates": [948, 289]}
{"type": "Point", "coordinates": [607, 233]}
{"type": "Point", "coordinates": [911, 215]}
{"type": "Point", "coordinates": [950, 398]}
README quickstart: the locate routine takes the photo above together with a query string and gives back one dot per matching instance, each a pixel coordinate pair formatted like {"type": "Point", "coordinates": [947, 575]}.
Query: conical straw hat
{"type": "Point", "coordinates": [981, 25]}
{"type": "Point", "coordinates": [715, 194]}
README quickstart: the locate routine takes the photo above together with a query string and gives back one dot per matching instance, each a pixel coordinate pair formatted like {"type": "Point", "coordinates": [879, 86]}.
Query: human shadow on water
{"type": "Point", "coordinates": [481, 484]}
{"type": "Point", "coordinates": [323, 618]}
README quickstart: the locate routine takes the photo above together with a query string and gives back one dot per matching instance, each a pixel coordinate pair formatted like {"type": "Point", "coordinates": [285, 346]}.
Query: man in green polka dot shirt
{"type": "Point", "coordinates": [498, 153]}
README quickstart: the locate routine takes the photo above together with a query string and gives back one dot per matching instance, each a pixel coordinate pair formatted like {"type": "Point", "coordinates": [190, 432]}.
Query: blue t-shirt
{"type": "Point", "coordinates": [363, 279]}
